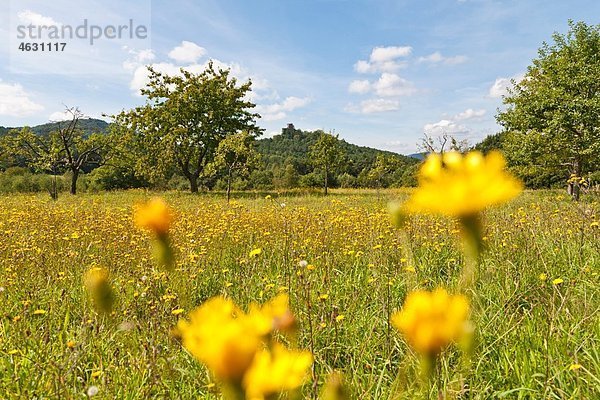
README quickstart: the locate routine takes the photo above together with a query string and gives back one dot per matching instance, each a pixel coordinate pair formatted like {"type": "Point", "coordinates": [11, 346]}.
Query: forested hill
{"type": "Point", "coordinates": [292, 146]}
{"type": "Point", "coordinates": [88, 125]}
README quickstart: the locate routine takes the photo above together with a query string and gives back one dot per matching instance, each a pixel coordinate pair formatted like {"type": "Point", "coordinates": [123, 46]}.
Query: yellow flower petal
{"type": "Point", "coordinates": [458, 186]}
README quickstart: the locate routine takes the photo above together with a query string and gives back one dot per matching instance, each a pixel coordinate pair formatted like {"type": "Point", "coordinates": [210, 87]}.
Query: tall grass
{"type": "Point", "coordinates": [535, 338]}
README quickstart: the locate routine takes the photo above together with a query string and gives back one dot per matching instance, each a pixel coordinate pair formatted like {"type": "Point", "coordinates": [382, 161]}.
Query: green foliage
{"type": "Point", "coordinates": [67, 148]}
{"type": "Point", "coordinates": [491, 142]}
{"type": "Point", "coordinates": [236, 157]}
{"type": "Point", "coordinates": [327, 154]}
{"type": "Point", "coordinates": [553, 114]}
{"type": "Point", "coordinates": [184, 120]}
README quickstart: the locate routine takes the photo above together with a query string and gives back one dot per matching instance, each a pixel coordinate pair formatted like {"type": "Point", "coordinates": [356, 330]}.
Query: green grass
{"type": "Point", "coordinates": [529, 332]}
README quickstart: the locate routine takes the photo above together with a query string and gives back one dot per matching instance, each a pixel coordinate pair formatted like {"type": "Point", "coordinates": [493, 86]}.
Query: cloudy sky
{"type": "Point", "coordinates": [378, 72]}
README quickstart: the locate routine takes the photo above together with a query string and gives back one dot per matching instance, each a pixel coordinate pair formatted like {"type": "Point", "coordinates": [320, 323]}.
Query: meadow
{"type": "Point", "coordinates": [535, 303]}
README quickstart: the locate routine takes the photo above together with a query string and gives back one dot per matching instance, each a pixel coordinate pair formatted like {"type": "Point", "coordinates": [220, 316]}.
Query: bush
{"type": "Point", "coordinates": [311, 180]}
{"type": "Point", "coordinates": [347, 181]}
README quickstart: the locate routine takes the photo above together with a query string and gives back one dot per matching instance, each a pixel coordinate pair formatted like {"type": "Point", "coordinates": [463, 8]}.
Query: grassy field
{"type": "Point", "coordinates": [535, 304]}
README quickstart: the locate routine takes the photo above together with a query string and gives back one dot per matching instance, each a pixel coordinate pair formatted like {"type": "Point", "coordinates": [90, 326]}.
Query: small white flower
{"type": "Point", "coordinates": [92, 391]}
{"type": "Point", "coordinates": [303, 263]}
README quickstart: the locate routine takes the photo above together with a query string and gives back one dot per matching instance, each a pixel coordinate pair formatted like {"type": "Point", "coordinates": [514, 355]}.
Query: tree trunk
{"type": "Point", "coordinates": [193, 183]}
{"type": "Point", "coordinates": [228, 186]}
{"type": "Point", "coordinates": [74, 178]}
{"type": "Point", "coordinates": [577, 172]}
{"type": "Point", "coordinates": [326, 176]}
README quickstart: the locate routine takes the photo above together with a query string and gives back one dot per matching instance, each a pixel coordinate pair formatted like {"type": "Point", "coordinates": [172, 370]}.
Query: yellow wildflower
{"type": "Point", "coordinates": [39, 312]}
{"type": "Point", "coordinates": [255, 252]}
{"type": "Point", "coordinates": [557, 281]}
{"type": "Point", "coordinates": [275, 372]}
{"type": "Point", "coordinates": [432, 320]}
{"type": "Point", "coordinates": [154, 216]}
{"type": "Point", "coordinates": [574, 367]}
{"type": "Point", "coordinates": [455, 185]}
{"type": "Point", "coordinates": [222, 337]}
{"type": "Point", "coordinates": [274, 314]}
{"type": "Point", "coordinates": [96, 374]}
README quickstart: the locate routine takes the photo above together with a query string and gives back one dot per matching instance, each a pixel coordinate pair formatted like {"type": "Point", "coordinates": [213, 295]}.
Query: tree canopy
{"type": "Point", "coordinates": [184, 119]}
{"type": "Point", "coordinates": [553, 116]}
{"type": "Point", "coordinates": [327, 154]}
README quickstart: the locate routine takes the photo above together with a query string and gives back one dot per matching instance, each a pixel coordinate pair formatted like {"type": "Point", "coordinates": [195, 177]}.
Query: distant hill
{"type": "Point", "coordinates": [88, 125]}
{"type": "Point", "coordinates": [293, 145]}
{"type": "Point", "coordinates": [418, 156]}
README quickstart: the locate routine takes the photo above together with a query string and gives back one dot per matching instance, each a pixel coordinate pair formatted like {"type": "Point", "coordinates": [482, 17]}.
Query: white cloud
{"type": "Point", "coordinates": [379, 105]}
{"type": "Point", "coordinates": [145, 55]}
{"type": "Point", "coordinates": [60, 116]}
{"type": "Point", "coordinates": [398, 144]}
{"type": "Point", "coordinates": [452, 125]}
{"type": "Point", "coordinates": [371, 106]}
{"type": "Point", "coordinates": [390, 85]}
{"type": "Point", "coordinates": [359, 86]}
{"type": "Point", "coordinates": [383, 54]}
{"type": "Point", "coordinates": [28, 17]}
{"type": "Point", "coordinates": [16, 102]}
{"type": "Point", "coordinates": [445, 126]}
{"type": "Point", "coordinates": [274, 117]}
{"type": "Point", "coordinates": [277, 111]}
{"type": "Point", "coordinates": [187, 53]}
{"type": "Point", "coordinates": [140, 73]}
{"type": "Point", "coordinates": [437, 57]}
{"type": "Point", "coordinates": [383, 59]}
{"type": "Point", "coordinates": [501, 85]}
{"type": "Point", "coordinates": [139, 57]}
{"type": "Point", "coordinates": [469, 113]}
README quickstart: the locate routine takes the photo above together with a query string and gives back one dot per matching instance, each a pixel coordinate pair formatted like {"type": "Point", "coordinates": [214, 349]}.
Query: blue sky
{"type": "Point", "coordinates": [379, 73]}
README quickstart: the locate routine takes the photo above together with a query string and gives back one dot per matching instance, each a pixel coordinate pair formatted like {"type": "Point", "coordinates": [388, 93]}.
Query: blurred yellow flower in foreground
{"type": "Point", "coordinates": [239, 349]}
{"type": "Point", "coordinates": [455, 185]}
{"type": "Point", "coordinates": [222, 337]}
{"type": "Point", "coordinates": [273, 315]}
{"type": "Point", "coordinates": [432, 320]}
{"type": "Point", "coordinates": [154, 216]}
{"type": "Point", "coordinates": [276, 371]}
{"type": "Point", "coordinates": [97, 283]}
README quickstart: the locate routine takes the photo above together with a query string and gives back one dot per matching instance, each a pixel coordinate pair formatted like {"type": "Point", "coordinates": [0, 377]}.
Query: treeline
{"type": "Point", "coordinates": [284, 163]}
